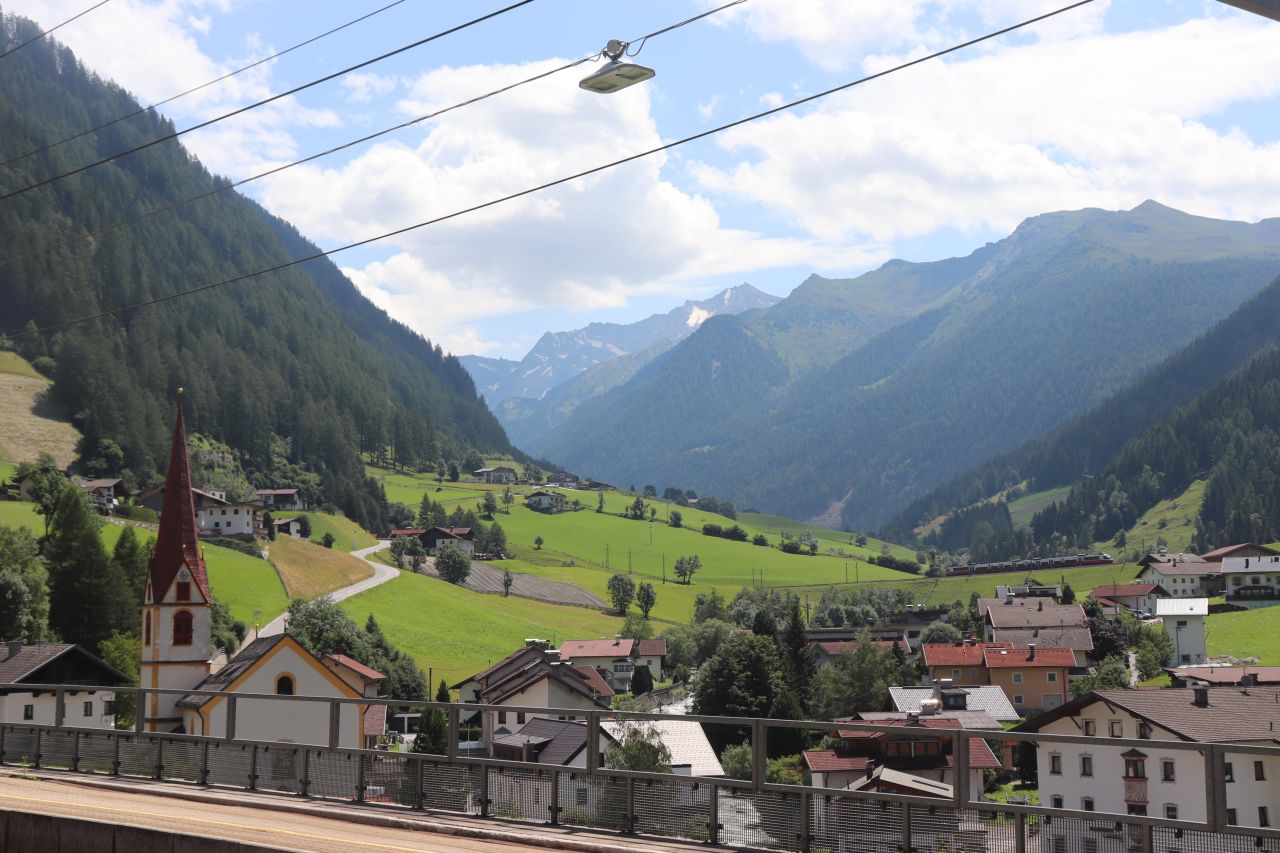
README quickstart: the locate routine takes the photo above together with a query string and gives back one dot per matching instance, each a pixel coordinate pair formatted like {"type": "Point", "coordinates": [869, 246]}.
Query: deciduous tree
{"type": "Point", "coordinates": [622, 591]}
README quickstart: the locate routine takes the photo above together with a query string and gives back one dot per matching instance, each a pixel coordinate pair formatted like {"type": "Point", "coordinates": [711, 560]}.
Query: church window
{"type": "Point", "coordinates": [184, 590]}
{"type": "Point", "coordinates": [284, 685]}
{"type": "Point", "coordinates": [146, 629]}
{"type": "Point", "coordinates": [182, 628]}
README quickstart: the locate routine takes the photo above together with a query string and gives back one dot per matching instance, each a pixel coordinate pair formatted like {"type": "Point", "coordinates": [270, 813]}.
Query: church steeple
{"type": "Point", "coordinates": [177, 544]}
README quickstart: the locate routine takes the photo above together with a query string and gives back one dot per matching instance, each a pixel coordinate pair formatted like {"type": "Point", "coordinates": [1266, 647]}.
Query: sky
{"type": "Point", "coordinates": [1103, 106]}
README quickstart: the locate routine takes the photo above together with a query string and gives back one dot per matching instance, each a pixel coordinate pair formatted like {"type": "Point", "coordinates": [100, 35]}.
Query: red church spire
{"type": "Point", "coordinates": [177, 544]}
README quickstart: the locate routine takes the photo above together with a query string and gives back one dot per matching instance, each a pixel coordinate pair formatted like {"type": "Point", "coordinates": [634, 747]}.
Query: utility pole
{"type": "Point", "coordinates": [606, 556]}
{"type": "Point", "coordinates": [664, 568]}
{"type": "Point", "coordinates": [846, 571]}
{"type": "Point", "coordinates": [628, 559]}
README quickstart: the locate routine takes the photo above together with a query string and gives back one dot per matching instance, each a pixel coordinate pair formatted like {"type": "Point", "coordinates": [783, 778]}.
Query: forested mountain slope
{"type": "Point", "coordinates": [901, 379]}
{"type": "Point", "coordinates": [295, 370]}
{"type": "Point", "coordinates": [1091, 441]}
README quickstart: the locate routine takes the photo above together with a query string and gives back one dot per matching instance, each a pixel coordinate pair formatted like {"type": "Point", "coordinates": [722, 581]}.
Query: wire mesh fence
{"type": "Point", "coordinates": [229, 764]}
{"type": "Point", "coordinates": [676, 809]}
{"type": "Point", "coordinates": [593, 802]}
{"type": "Point", "coordinates": [97, 752]}
{"type": "Point", "coordinates": [520, 794]}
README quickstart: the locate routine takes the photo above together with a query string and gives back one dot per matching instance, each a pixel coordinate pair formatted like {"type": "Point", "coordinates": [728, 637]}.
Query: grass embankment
{"type": "Point", "coordinates": [347, 535]}
{"type": "Point", "coordinates": [26, 430]}
{"type": "Point", "coordinates": [1173, 520]}
{"type": "Point", "coordinates": [1246, 634]}
{"type": "Point", "coordinates": [458, 632]}
{"type": "Point", "coordinates": [309, 570]}
{"type": "Point", "coordinates": [1023, 508]}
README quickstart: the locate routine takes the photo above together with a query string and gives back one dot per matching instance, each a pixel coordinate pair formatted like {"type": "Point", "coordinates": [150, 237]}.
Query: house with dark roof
{"type": "Point", "coordinates": [1077, 638]}
{"type": "Point", "coordinates": [1183, 575]}
{"type": "Point", "coordinates": [1244, 549]}
{"type": "Point", "coordinates": [545, 500]}
{"type": "Point", "coordinates": [916, 745]}
{"type": "Point", "coordinates": [1154, 780]}
{"type": "Point", "coordinates": [1135, 597]}
{"type": "Point", "coordinates": [1252, 579]}
{"type": "Point", "coordinates": [562, 743]}
{"type": "Point", "coordinates": [285, 498]}
{"type": "Point", "coordinates": [1223, 675]}
{"type": "Point", "coordinates": [499, 475]}
{"type": "Point", "coordinates": [57, 663]}
{"type": "Point", "coordinates": [105, 493]}
{"type": "Point", "coordinates": [437, 537]}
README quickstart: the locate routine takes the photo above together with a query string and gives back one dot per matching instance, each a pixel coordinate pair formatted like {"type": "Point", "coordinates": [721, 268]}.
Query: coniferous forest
{"type": "Point", "coordinates": [295, 369]}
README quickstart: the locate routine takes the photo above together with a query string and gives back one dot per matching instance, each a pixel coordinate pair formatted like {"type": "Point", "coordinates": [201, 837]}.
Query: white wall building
{"type": "Point", "coordinates": [1184, 622]}
{"type": "Point", "coordinates": [1155, 780]}
{"type": "Point", "coordinates": [1254, 578]}
{"type": "Point", "coordinates": [90, 707]}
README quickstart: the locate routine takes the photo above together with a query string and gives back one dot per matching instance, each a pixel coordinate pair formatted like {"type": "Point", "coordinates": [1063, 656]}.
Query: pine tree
{"type": "Point", "coordinates": [83, 599]}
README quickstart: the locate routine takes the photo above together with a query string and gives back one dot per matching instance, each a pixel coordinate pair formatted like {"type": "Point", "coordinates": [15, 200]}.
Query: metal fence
{"type": "Point", "coordinates": [746, 814]}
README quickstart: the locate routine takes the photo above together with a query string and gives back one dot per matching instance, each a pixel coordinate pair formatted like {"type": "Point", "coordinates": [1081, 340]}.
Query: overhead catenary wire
{"type": "Point", "coordinates": [55, 28]}
{"type": "Point", "coordinates": [240, 110]}
{"type": "Point", "coordinates": [106, 229]}
{"type": "Point", "coordinates": [206, 85]}
{"type": "Point", "coordinates": [53, 327]}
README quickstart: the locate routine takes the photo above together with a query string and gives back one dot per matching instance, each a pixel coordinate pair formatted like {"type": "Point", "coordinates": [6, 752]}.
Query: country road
{"type": "Point", "coordinates": [381, 574]}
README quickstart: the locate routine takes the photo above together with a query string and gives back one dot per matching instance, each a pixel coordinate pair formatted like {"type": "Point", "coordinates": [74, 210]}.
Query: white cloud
{"type": "Point", "coordinates": [1090, 121]}
{"type": "Point", "coordinates": [708, 108]}
{"type": "Point", "coordinates": [364, 87]}
{"type": "Point", "coordinates": [592, 243]}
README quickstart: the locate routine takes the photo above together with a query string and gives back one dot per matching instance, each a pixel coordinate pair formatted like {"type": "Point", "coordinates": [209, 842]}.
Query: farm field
{"type": "Point", "coordinates": [487, 578]}
{"type": "Point", "coordinates": [438, 623]}
{"type": "Point", "coordinates": [1023, 508]}
{"type": "Point", "coordinates": [25, 430]}
{"type": "Point", "coordinates": [21, 514]}
{"type": "Point", "coordinates": [1178, 517]}
{"type": "Point", "coordinates": [1246, 634]}
{"type": "Point", "coordinates": [309, 570]}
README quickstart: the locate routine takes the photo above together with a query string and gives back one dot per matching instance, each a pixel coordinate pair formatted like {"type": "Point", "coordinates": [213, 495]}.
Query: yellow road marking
{"type": "Point", "coordinates": [239, 826]}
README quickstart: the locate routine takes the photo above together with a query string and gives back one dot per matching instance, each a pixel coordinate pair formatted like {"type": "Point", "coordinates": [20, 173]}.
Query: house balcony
{"type": "Point", "coordinates": [1135, 791]}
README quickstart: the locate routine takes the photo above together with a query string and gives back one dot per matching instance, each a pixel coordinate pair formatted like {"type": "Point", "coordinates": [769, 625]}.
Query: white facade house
{"type": "Point", "coordinates": [1184, 622]}
{"type": "Point", "coordinates": [1252, 580]}
{"type": "Point", "coordinates": [612, 658]}
{"type": "Point", "coordinates": [1157, 780]}
{"type": "Point", "coordinates": [228, 520]}
{"type": "Point", "coordinates": [1181, 575]}
{"type": "Point", "coordinates": [91, 706]}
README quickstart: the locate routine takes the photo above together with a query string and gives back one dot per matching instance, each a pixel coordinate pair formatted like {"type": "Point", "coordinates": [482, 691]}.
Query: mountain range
{"type": "Point", "coordinates": [851, 397]}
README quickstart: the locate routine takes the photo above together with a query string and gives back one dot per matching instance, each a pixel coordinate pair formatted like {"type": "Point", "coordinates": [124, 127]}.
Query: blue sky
{"type": "Point", "coordinates": [1104, 106]}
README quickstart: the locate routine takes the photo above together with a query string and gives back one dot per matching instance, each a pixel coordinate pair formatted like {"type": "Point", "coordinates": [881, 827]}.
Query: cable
{"type": "Point", "coordinates": [558, 181]}
{"type": "Point", "coordinates": [265, 101]}
{"type": "Point", "coordinates": [226, 76]}
{"type": "Point", "coordinates": [50, 247]}
{"type": "Point", "coordinates": [34, 39]}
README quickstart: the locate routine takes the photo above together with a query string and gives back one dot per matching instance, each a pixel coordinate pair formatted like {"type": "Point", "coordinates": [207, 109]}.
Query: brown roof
{"type": "Point", "coordinates": [358, 668]}
{"type": "Point", "coordinates": [1030, 613]}
{"type": "Point", "coordinates": [375, 720]}
{"type": "Point", "coordinates": [655, 648]}
{"type": "Point", "coordinates": [1125, 590]}
{"type": "Point", "coordinates": [276, 492]}
{"type": "Point", "coordinates": [1233, 714]}
{"type": "Point", "coordinates": [558, 741]}
{"type": "Point", "coordinates": [595, 680]}
{"type": "Point", "coordinates": [1246, 549]}
{"type": "Point", "coordinates": [956, 654]}
{"type": "Point", "coordinates": [1075, 637]}
{"type": "Point", "coordinates": [1022, 658]}
{"type": "Point", "coordinates": [65, 662]}
{"type": "Point", "coordinates": [1227, 675]}
{"type": "Point", "coordinates": [1181, 564]}
{"type": "Point", "coordinates": [615, 648]}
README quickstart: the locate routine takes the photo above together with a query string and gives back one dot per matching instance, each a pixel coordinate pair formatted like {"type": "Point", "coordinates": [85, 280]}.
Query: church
{"type": "Point", "coordinates": [177, 653]}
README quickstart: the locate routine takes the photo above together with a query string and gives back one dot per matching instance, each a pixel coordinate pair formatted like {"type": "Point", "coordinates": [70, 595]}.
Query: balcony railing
{"type": "Point", "coordinates": [745, 814]}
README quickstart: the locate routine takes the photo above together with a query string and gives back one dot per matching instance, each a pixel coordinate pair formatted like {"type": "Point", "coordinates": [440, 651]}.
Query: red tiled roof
{"type": "Point", "coordinates": [177, 542]}
{"type": "Point", "coordinates": [408, 531]}
{"type": "Point", "coordinates": [1000, 658]}
{"type": "Point", "coordinates": [958, 654]}
{"type": "Point", "coordinates": [595, 680]}
{"type": "Point", "coordinates": [357, 667]}
{"type": "Point", "coordinates": [655, 648]}
{"type": "Point", "coordinates": [375, 720]}
{"type": "Point", "coordinates": [829, 761]}
{"type": "Point", "coordinates": [571, 649]}
{"type": "Point", "coordinates": [1124, 590]}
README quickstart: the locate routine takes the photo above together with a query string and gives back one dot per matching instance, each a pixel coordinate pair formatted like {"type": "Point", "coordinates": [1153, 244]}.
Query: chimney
{"type": "Point", "coordinates": [1008, 599]}
{"type": "Point", "coordinates": [1031, 651]}
{"type": "Point", "coordinates": [871, 767]}
{"type": "Point", "coordinates": [1201, 699]}
{"type": "Point", "coordinates": [1041, 607]}
{"type": "Point", "coordinates": [15, 648]}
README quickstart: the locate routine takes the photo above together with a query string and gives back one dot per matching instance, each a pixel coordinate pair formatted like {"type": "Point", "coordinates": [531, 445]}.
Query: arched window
{"type": "Point", "coordinates": [284, 685]}
{"type": "Point", "coordinates": [146, 629]}
{"type": "Point", "coordinates": [182, 628]}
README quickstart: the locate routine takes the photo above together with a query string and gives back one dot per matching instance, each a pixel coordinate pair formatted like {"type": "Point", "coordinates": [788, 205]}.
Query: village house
{"type": "Point", "coordinates": [1243, 549]}
{"type": "Point", "coordinates": [613, 658]}
{"type": "Point", "coordinates": [1184, 622]}
{"type": "Point", "coordinates": [280, 499]}
{"type": "Point", "coordinates": [686, 741]}
{"type": "Point", "coordinates": [1034, 679]}
{"type": "Point", "coordinates": [1223, 675]}
{"type": "Point", "coordinates": [1252, 579]}
{"type": "Point", "coordinates": [217, 516]}
{"type": "Point", "coordinates": [1077, 638]}
{"type": "Point", "coordinates": [546, 501]}
{"type": "Point", "coordinates": [406, 533]}
{"type": "Point", "coordinates": [561, 743]}
{"type": "Point", "coordinates": [1155, 780]}
{"type": "Point", "coordinates": [947, 699]}
{"type": "Point", "coordinates": [652, 653]}
{"type": "Point", "coordinates": [437, 537]}
{"type": "Point", "coordinates": [533, 677]}
{"type": "Point", "coordinates": [562, 478]}
{"type": "Point", "coordinates": [177, 653]}
{"type": "Point", "coordinates": [886, 635]}
{"type": "Point", "coordinates": [827, 652]}
{"type": "Point", "coordinates": [291, 526]}
{"type": "Point", "coordinates": [1134, 597]}
{"type": "Point", "coordinates": [91, 706]}
{"type": "Point", "coordinates": [105, 494]}
{"type": "Point", "coordinates": [1031, 589]}
{"type": "Point", "coordinates": [1182, 575]}
{"type": "Point", "coordinates": [499, 476]}
{"type": "Point", "coordinates": [1020, 613]}
{"type": "Point", "coordinates": [960, 662]}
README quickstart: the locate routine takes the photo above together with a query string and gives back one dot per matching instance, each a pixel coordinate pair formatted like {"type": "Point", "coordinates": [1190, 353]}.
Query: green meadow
{"type": "Point", "coordinates": [1246, 634]}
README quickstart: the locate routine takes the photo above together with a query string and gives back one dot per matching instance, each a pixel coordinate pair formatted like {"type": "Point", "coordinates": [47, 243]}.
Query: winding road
{"type": "Point", "coordinates": [381, 574]}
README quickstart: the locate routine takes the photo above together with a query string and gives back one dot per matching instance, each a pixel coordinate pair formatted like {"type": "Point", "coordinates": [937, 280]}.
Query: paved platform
{"type": "Point", "coordinates": [299, 824]}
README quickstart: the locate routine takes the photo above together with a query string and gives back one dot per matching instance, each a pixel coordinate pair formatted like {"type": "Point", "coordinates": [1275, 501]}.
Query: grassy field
{"type": "Point", "coordinates": [246, 584]}
{"type": "Point", "coordinates": [946, 590]}
{"type": "Point", "coordinates": [438, 623]}
{"type": "Point", "coordinates": [6, 468]}
{"type": "Point", "coordinates": [11, 362]}
{"type": "Point", "coordinates": [26, 430]}
{"type": "Point", "coordinates": [309, 570]}
{"type": "Point", "coordinates": [20, 514]}
{"type": "Point", "coordinates": [1246, 634]}
{"type": "Point", "coordinates": [347, 535]}
{"type": "Point", "coordinates": [1026, 506]}
{"type": "Point", "coordinates": [1174, 520]}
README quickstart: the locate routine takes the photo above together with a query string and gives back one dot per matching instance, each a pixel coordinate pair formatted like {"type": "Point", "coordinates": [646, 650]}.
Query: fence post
{"type": "Point", "coordinates": [253, 765]}
{"type": "Point", "coordinates": [75, 750]}
{"type": "Point", "coordinates": [37, 749]}
{"type": "Point", "coordinates": [961, 761]}
{"type": "Point", "coordinates": [1020, 827]}
{"type": "Point", "coordinates": [1215, 783]}
{"type": "Point", "coordinates": [230, 733]}
{"type": "Point", "coordinates": [484, 791]}
{"type": "Point", "coordinates": [593, 741]}
{"type": "Point", "coordinates": [806, 819]}
{"type": "Point", "coordinates": [204, 762]}
{"type": "Point", "coordinates": [3, 730]}
{"type": "Point", "coordinates": [306, 773]}
{"type": "Point", "coordinates": [713, 815]}
{"type": "Point", "coordinates": [906, 828]}
{"type": "Point", "coordinates": [419, 783]}
{"type": "Point", "coordinates": [453, 714]}
{"type": "Point", "coordinates": [115, 756]}
{"type": "Point", "coordinates": [59, 707]}
{"type": "Point", "coordinates": [360, 778]}
{"type": "Point", "coordinates": [159, 771]}
{"type": "Point", "coordinates": [554, 807]}
{"type": "Point", "coordinates": [631, 805]}
{"type": "Point", "coordinates": [140, 712]}
{"type": "Point", "coordinates": [1148, 838]}
{"type": "Point", "coordinates": [759, 754]}
{"type": "Point", "coordinates": [335, 720]}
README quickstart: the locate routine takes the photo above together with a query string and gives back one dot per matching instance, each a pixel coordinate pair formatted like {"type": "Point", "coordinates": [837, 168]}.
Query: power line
{"type": "Point", "coordinates": [265, 101]}
{"type": "Point", "coordinates": [195, 89]}
{"type": "Point", "coordinates": [34, 39]}
{"type": "Point", "coordinates": [558, 181]}
{"type": "Point", "coordinates": [50, 247]}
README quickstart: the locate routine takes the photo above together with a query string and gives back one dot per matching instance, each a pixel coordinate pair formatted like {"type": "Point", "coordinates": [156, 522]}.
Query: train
{"type": "Point", "coordinates": [1029, 565]}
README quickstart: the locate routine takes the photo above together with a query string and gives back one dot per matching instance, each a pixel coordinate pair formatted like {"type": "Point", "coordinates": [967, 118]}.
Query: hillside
{"type": "Point", "coordinates": [295, 370]}
{"type": "Point", "coordinates": [857, 396]}
{"type": "Point", "coordinates": [27, 427]}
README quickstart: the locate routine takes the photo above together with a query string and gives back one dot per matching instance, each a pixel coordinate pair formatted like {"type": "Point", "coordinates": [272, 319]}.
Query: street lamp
{"type": "Point", "coordinates": [615, 75]}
